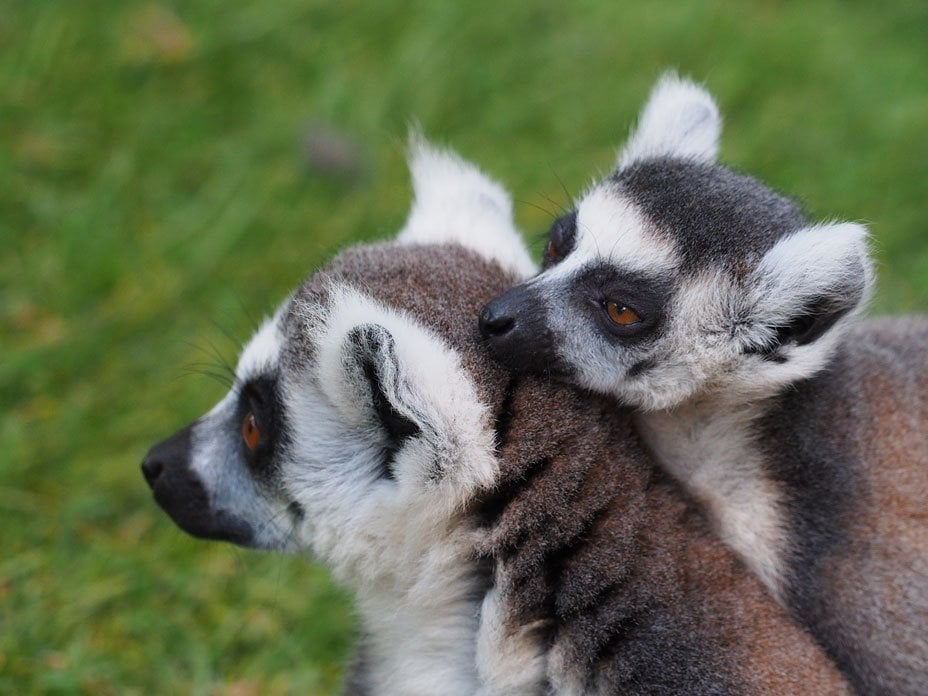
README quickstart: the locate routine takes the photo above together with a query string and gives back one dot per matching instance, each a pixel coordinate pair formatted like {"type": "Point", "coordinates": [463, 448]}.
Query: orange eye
{"type": "Point", "coordinates": [251, 434]}
{"type": "Point", "coordinates": [623, 316]}
{"type": "Point", "coordinates": [551, 252]}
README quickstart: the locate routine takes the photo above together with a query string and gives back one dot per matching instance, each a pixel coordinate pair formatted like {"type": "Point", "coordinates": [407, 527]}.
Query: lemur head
{"type": "Point", "coordinates": [676, 277]}
{"type": "Point", "coordinates": [354, 430]}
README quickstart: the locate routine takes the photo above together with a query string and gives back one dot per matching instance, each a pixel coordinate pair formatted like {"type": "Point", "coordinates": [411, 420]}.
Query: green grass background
{"type": "Point", "coordinates": [155, 200]}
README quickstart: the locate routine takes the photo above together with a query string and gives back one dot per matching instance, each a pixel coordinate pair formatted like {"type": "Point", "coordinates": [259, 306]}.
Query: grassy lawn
{"type": "Point", "coordinates": [162, 185]}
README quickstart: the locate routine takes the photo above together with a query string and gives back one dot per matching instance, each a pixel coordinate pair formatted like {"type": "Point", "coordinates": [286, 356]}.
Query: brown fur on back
{"type": "Point", "coordinates": [590, 539]}
{"type": "Point", "coordinates": [851, 447]}
{"type": "Point", "coordinates": [637, 594]}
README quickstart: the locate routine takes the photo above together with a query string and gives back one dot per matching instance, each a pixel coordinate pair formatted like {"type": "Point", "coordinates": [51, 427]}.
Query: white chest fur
{"type": "Point", "coordinates": [421, 631]}
{"type": "Point", "coordinates": [707, 447]}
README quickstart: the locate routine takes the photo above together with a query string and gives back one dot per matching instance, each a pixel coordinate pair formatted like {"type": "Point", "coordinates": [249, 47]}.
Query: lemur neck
{"type": "Point", "coordinates": [708, 446]}
{"type": "Point", "coordinates": [421, 632]}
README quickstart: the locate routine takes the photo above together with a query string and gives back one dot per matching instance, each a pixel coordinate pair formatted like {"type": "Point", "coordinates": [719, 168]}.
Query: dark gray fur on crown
{"type": "Point", "coordinates": [710, 213]}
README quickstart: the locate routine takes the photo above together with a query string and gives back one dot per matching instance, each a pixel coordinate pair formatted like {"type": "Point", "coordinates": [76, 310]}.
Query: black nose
{"type": "Point", "coordinates": [182, 494]}
{"type": "Point", "coordinates": [151, 469]}
{"type": "Point", "coordinates": [171, 453]}
{"type": "Point", "coordinates": [495, 320]}
{"type": "Point", "coordinates": [515, 330]}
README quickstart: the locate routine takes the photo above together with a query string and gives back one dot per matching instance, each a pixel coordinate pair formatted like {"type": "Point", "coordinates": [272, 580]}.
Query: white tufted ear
{"type": "Point", "coordinates": [809, 281]}
{"type": "Point", "coordinates": [388, 376]}
{"type": "Point", "coordinates": [457, 203]}
{"type": "Point", "coordinates": [679, 120]}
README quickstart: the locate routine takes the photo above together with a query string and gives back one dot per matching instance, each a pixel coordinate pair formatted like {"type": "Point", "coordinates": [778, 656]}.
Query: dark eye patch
{"type": "Point", "coordinates": [646, 295]}
{"type": "Point", "coordinates": [260, 396]}
{"type": "Point", "coordinates": [562, 237]}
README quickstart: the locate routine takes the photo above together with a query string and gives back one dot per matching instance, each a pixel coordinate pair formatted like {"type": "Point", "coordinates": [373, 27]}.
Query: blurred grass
{"type": "Point", "coordinates": [154, 198]}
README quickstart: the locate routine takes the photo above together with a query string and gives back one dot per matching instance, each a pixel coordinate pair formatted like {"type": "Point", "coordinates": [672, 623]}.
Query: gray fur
{"type": "Point", "coordinates": [800, 431]}
{"type": "Point", "coordinates": [631, 591]}
{"type": "Point", "coordinates": [709, 213]}
{"type": "Point", "coordinates": [856, 476]}
{"type": "Point", "coordinates": [538, 561]}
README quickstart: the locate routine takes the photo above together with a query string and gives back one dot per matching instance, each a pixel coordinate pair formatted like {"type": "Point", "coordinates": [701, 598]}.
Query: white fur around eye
{"type": "Point", "coordinates": [610, 228]}
{"type": "Point", "coordinates": [262, 353]}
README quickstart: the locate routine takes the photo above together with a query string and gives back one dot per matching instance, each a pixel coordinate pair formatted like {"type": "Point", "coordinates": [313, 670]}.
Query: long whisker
{"type": "Point", "coordinates": [561, 182]}
{"type": "Point", "coordinates": [561, 209]}
{"type": "Point", "coordinates": [522, 201]}
{"type": "Point", "coordinates": [198, 369]}
{"type": "Point", "coordinates": [220, 358]}
{"type": "Point", "coordinates": [253, 320]}
{"type": "Point", "coordinates": [271, 521]}
{"type": "Point", "coordinates": [229, 336]}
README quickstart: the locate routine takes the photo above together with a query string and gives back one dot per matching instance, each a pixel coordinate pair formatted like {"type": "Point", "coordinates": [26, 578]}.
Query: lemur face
{"type": "Point", "coordinates": [676, 276]}
{"type": "Point", "coordinates": [353, 430]}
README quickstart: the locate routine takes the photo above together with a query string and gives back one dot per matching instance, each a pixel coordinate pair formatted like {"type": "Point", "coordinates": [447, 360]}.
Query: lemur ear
{"type": "Point", "coordinates": [679, 120]}
{"type": "Point", "coordinates": [373, 350]}
{"type": "Point", "coordinates": [457, 203]}
{"type": "Point", "coordinates": [808, 282]}
{"type": "Point", "coordinates": [420, 394]}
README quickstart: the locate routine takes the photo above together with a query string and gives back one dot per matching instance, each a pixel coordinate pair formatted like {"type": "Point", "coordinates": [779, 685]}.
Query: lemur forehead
{"type": "Point", "coordinates": [441, 285]}
{"type": "Point", "coordinates": [710, 214]}
{"type": "Point", "coordinates": [611, 228]}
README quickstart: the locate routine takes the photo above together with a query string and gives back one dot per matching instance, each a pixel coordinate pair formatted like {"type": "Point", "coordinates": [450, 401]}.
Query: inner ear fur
{"type": "Point", "coordinates": [809, 323]}
{"type": "Point", "coordinates": [373, 349]}
{"type": "Point", "coordinates": [808, 282]}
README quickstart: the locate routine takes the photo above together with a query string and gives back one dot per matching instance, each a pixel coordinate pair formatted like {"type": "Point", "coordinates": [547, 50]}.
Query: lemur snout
{"type": "Point", "coordinates": [511, 313]}
{"type": "Point", "coordinates": [180, 492]}
{"type": "Point", "coordinates": [509, 326]}
{"type": "Point", "coordinates": [166, 455]}
{"type": "Point", "coordinates": [515, 329]}
{"type": "Point", "coordinates": [494, 320]}
{"type": "Point", "coordinates": [151, 470]}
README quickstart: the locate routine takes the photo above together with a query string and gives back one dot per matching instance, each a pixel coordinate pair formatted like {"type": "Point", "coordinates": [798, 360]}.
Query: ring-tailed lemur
{"type": "Point", "coordinates": [709, 303]}
{"type": "Point", "coordinates": [500, 537]}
